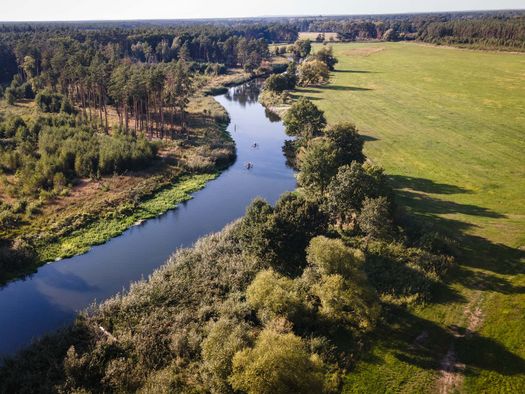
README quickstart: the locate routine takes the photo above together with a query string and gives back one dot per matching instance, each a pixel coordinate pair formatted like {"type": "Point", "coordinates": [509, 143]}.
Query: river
{"type": "Point", "coordinates": [50, 298]}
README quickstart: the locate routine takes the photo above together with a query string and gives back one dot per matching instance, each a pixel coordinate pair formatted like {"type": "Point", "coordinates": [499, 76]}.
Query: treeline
{"type": "Point", "coordinates": [48, 45]}
{"type": "Point", "coordinates": [483, 33]}
{"type": "Point", "coordinates": [281, 301]}
{"type": "Point", "coordinates": [482, 30]}
{"type": "Point", "coordinates": [147, 75]}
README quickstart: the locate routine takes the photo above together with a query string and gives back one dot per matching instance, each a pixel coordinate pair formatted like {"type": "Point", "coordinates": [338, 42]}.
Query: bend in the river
{"type": "Point", "coordinates": [52, 296]}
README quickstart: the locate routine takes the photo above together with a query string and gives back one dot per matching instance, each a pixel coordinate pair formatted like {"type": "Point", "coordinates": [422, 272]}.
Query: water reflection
{"type": "Point", "coordinates": [247, 93]}
{"type": "Point", "coordinates": [50, 298]}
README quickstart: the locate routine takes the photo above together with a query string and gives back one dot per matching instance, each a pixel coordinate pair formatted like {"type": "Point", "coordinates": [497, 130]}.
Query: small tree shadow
{"type": "Point", "coordinates": [426, 185]}
{"type": "Point", "coordinates": [345, 88]}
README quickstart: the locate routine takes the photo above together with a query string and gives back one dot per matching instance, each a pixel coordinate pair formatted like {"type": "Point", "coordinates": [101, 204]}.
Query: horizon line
{"type": "Point", "coordinates": [260, 17]}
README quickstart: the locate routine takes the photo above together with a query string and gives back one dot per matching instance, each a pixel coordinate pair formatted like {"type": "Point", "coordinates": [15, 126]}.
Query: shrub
{"type": "Point", "coordinates": [48, 101]}
{"type": "Point", "coordinates": [10, 96]}
{"type": "Point", "coordinates": [279, 236]}
{"type": "Point", "coordinates": [273, 295]}
{"type": "Point", "coordinates": [278, 363]}
{"type": "Point", "coordinates": [278, 83]}
{"type": "Point", "coordinates": [375, 219]}
{"type": "Point", "coordinates": [225, 338]}
{"type": "Point", "coordinates": [313, 72]}
{"type": "Point", "coordinates": [326, 55]}
{"type": "Point", "coordinates": [404, 275]}
{"type": "Point", "coordinates": [353, 305]}
{"type": "Point", "coordinates": [332, 256]}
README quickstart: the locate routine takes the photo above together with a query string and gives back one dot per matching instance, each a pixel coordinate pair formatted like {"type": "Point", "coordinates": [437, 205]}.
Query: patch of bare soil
{"type": "Point", "coordinates": [452, 370]}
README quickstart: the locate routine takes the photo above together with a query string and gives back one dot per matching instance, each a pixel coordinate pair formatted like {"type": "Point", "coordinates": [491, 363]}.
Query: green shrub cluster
{"type": "Point", "coordinates": [18, 90]}
{"type": "Point", "coordinates": [14, 253]}
{"type": "Point", "coordinates": [49, 101]}
{"type": "Point", "coordinates": [48, 153]}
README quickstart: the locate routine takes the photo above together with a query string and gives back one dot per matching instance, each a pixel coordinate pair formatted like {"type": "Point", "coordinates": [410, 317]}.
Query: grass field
{"type": "Point", "coordinates": [312, 36]}
{"type": "Point", "coordinates": [449, 126]}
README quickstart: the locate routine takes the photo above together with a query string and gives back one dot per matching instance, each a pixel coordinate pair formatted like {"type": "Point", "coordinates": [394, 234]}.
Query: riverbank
{"type": "Point", "coordinates": [94, 210]}
{"type": "Point", "coordinates": [51, 298]}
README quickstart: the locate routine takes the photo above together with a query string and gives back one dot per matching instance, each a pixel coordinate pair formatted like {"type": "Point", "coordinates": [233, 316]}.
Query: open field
{"type": "Point", "coordinates": [307, 35]}
{"type": "Point", "coordinates": [448, 125]}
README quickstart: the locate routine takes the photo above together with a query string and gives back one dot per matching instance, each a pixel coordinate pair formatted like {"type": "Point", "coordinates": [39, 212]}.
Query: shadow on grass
{"type": "Point", "coordinates": [369, 138]}
{"type": "Point", "coordinates": [423, 343]}
{"type": "Point", "coordinates": [482, 266]}
{"type": "Point", "coordinates": [345, 88]}
{"type": "Point", "coordinates": [426, 185]}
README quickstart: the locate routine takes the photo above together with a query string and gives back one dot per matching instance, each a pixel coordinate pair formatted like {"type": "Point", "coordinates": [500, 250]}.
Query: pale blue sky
{"type": "Point", "coordinates": [45, 10]}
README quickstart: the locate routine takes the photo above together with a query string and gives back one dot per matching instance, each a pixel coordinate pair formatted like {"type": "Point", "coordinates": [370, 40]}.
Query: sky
{"type": "Point", "coordinates": [75, 10]}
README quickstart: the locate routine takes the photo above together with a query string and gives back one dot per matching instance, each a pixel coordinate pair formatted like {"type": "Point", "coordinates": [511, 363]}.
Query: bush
{"type": "Point", "coordinates": [278, 83]}
{"type": "Point", "coordinates": [279, 236]}
{"type": "Point", "coordinates": [326, 55]}
{"type": "Point", "coordinates": [352, 305]}
{"type": "Point", "coordinates": [48, 101]}
{"type": "Point", "coordinates": [273, 295]}
{"type": "Point", "coordinates": [225, 338]}
{"type": "Point", "coordinates": [15, 255]}
{"type": "Point", "coordinates": [333, 257]}
{"type": "Point", "coordinates": [10, 96]}
{"type": "Point", "coordinates": [267, 367]}
{"type": "Point", "coordinates": [313, 72]}
{"type": "Point", "coordinates": [404, 275]}
{"type": "Point", "coordinates": [375, 219]}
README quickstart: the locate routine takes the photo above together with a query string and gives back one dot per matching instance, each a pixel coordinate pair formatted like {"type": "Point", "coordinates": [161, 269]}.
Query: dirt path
{"type": "Point", "coordinates": [452, 370]}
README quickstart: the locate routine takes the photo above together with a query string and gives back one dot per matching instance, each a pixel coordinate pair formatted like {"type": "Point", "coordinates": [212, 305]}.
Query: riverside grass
{"type": "Point", "coordinates": [126, 216]}
{"type": "Point", "coordinates": [448, 125]}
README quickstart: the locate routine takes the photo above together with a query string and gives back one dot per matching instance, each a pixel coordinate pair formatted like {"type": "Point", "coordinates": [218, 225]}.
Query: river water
{"type": "Point", "coordinates": [51, 297]}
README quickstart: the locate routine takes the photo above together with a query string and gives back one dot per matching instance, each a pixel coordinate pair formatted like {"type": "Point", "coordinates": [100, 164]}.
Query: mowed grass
{"type": "Point", "coordinates": [448, 125]}
{"type": "Point", "coordinates": [312, 36]}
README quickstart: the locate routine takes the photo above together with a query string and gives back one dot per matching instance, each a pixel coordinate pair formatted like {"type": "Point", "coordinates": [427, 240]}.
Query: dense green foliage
{"type": "Point", "coordinates": [280, 301]}
{"type": "Point", "coordinates": [498, 29]}
{"type": "Point", "coordinates": [304, 120]}
{"type": "Point", "coordinates": [326, 55]}
{"type": "Point", "coordinates": [48, 153]}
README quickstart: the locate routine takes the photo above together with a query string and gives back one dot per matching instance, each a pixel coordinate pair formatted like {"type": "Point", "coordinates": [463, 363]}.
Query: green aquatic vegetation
{"type": "Point", "coordinates": [115, 223]}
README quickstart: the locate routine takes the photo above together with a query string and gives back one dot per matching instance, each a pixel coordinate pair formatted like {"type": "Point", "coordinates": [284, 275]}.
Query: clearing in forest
{"type": "Point", "coordinates": [448, 125]}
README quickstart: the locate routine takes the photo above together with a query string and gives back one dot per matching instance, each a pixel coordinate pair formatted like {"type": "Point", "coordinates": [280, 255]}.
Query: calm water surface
{"type": "Point", "coordinates": [50, 298]}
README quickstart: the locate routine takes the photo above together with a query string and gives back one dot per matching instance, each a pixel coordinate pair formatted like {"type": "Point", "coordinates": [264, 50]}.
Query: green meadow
{"type": "Point", "coordinates": [448, 126]}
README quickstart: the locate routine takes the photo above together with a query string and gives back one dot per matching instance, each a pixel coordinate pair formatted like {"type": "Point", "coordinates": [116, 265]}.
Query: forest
{"type": "Point", "coordinates": [490, 30]}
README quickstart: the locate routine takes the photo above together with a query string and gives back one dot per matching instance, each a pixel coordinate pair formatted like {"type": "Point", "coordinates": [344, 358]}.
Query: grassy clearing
{"type": "Point", "coordinates": [312, 36]}
{"type": "Point", "coordinates": [448, 125]}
